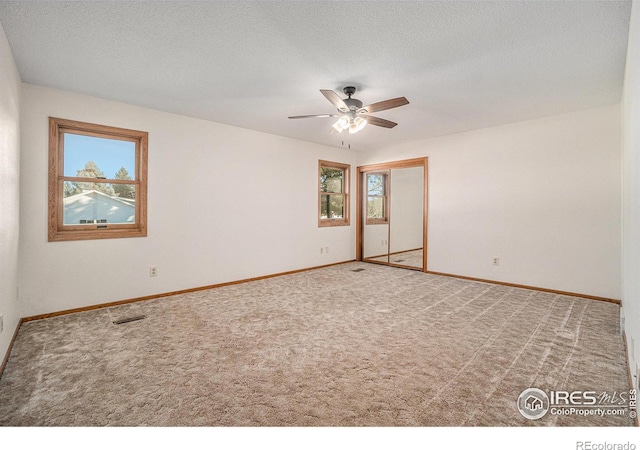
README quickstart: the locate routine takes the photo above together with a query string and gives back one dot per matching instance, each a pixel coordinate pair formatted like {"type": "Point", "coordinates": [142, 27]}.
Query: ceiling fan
{"type": "Point", "coordinates": [352, 115]}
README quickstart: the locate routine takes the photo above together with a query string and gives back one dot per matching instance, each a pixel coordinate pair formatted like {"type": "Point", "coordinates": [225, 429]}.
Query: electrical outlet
{"type": "Point", "coordinates": [322, 250]}
{"type": "Point", "coordinates": [326, 249]}
{"type": "Point", "coordinates": [1, 322]}
{"type": "Point", "coordinates": [496, 261]}
{"type": "Point", "coordinates": [153, 271]}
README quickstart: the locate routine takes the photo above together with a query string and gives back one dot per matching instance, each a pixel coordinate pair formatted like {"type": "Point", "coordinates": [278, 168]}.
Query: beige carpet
{"type": "Point", "coordinates": [330, 347]}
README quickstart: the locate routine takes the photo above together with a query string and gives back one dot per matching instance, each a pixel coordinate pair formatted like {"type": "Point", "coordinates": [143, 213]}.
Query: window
{"type": "Point", "coordinates": [377, 198]}
{"type": "Point", "coordinates": [97, 181]}
{"type": "Point", "coordinates": [334, 194]}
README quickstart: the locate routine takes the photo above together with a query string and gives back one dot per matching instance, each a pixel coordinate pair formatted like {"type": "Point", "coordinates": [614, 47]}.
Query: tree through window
{"type": "Point", "coordinates": [334, 194]}
{"type": "Point", "coordinates": [377, 198]}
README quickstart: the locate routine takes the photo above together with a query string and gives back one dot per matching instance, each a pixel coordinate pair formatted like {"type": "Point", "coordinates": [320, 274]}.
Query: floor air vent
{"type": "Point", "coordinates": [357, 270]}
{"type": "Point", "coordinates": [128, 319]}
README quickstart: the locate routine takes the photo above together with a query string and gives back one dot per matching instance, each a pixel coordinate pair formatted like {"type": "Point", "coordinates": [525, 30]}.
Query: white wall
{"type": "Point", "coordinates": [631, 192]}
{"type": "Point", "coordinates": [225, 204]}
{"type": "Point", "coordinates": [9, 192]}
{"type": "Point", "coordinates": [541, 195]}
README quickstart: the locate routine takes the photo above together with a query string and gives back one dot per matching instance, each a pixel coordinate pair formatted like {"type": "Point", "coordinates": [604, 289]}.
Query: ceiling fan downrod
{"type": "Point", "coordinates": [353, 103]}
{"type": "Point", "coordinates": [349, 91]}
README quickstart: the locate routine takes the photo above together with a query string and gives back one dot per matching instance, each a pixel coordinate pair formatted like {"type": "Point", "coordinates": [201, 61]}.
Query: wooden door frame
{"type": "Point", "coordinates": [403, 164]}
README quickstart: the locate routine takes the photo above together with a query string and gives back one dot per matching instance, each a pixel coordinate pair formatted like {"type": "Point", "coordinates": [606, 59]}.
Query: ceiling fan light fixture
{"type": "Point", "coordinates": [358, 124]}
{"type": "Point", "coordinates": [341, 124]}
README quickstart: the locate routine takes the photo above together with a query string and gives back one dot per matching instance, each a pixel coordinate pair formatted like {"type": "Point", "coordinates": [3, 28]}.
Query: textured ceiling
{"type": "Point", "coordinates": [462, 65]}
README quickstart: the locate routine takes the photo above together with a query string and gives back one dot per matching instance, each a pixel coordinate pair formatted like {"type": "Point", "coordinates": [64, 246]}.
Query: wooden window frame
{"type": "Point", "coordinates": [385, 204]}
{"type": "Point", "coordinates": [346, 169]}
{"type": "Point", "coordinates": [58, 231]}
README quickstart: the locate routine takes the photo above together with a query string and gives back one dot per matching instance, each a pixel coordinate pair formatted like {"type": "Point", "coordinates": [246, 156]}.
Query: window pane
{"type": "Point", "coordinates": [93, 157]}
{"type": "Point", "coordinates": [331, 180]}
{"type": "Point", "coordinates": [375, 184]}
{"type": "Point", "coordinates": [375, 208]}
{"type": "Point", "coordinates": [331, 207]}
{"type": "Point", "coordinates": [100, 204]}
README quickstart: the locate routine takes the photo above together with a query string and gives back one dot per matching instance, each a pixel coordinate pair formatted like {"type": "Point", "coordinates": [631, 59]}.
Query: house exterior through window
{"type": "Point", "coordinates": [97, 181]}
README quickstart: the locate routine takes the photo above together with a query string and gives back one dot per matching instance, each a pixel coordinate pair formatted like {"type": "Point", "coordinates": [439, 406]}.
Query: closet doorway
{"type": "Point", "coordinates": [391, 214]}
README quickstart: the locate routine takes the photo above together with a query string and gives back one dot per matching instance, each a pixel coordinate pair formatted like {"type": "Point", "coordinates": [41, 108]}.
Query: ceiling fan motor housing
{"type": "Point", "coordinates": [353, 103]}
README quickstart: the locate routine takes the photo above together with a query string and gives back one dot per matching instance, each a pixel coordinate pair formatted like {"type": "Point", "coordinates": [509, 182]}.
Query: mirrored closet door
{"type": "Point", "coordinates": [392, 225]}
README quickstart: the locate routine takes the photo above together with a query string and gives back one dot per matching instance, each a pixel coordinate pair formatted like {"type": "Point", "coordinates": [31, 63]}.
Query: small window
{"type": "Point", "coordinates": [97, 181]}
{"type": "Point", "coordinates": [334, 194]}
{"type": "Point", "coordinates": [377, 198]}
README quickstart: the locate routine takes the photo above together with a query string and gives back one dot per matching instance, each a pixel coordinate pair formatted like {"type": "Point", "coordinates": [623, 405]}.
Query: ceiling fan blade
{"type": "Point", "coordinates": [386, 104]}
{"type": "Point", "coordinates": [335, 100]}
{"type": "Point", "coordinates": [379, 122]}
{"type": "Point", "coordinates": [313, 115]}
